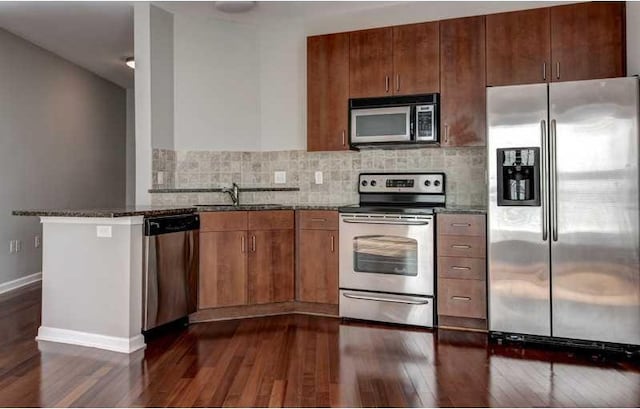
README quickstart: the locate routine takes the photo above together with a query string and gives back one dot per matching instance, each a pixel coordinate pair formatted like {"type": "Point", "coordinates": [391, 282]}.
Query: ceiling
{"type": "Point", "coordinates": [94, 35]}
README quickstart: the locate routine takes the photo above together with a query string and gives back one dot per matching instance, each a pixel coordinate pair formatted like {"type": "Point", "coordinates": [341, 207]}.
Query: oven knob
{"type": "Point", "coordinates": [373, 183]}
{"type": "Point", "coordinates": [436, 183]}
{"type": "Point", "coordinates": [364, 183]}
{"type": "Point", "coordinates": [427, 183]}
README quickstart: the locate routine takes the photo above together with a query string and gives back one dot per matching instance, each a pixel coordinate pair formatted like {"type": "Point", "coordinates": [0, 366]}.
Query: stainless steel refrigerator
{"type": "Point", "coordinates": [564, 249]}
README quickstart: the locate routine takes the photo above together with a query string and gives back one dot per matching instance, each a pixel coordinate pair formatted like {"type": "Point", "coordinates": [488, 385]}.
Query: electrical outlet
{"type": "Point", "coordinates": [280, 176]}
{"type": "Point", "coordinates": [18, 246]}
{"type": "Point", "coordinates": [160, 178]}
{"type": "Point", "coordinates": [37, 242]}
{"type": "Point", "coordinates": [12, 246]}
{"type": "Point", "coordinates": [103, 231]}
{"type": "Point", "coordinates": [318, 177]}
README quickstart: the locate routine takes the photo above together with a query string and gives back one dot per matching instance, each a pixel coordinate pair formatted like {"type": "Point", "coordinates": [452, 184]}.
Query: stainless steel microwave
{"type": "Point", "coordinates": [393, 121]}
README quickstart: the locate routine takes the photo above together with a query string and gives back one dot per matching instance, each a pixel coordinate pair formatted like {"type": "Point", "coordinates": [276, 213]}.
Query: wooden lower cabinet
{"type": "Point", "coordinates": [462, 282]}
{"type": "Point", "coordinates": [246, 258]}
{"type": "Point", "coordinates": [223, 269]}
{"type": "Point", "coordinates": [318, 266]}
{"type": "Point", "coordinates": [271, 266]}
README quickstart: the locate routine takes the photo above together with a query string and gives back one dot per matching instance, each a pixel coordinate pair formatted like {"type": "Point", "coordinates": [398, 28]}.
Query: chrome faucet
{"type": "Point", "coordinates": [234, 193]}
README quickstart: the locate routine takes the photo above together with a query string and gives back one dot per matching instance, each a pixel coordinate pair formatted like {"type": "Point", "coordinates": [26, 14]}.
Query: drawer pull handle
{"type": "Point", "coordinates": [461, 224]}
{"type": "Point", "coordinates": [458, 298]}
{"type": "Point", "coordinates": [460, 268]}
{"type": "Point", "coordinates": [461, 246]}
{"type": "Point", "coordinates": [318, 220]}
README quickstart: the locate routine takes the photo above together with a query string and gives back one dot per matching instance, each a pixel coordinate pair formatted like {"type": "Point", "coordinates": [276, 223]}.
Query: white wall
{"type": "Point", "coordinates": [217, 85]}
{"type": "Point", "coordinates": [62, 144]}
{"type": "Point", "coordinates": [633, 37]}
{"type": "Point", "coordinates": [154, 90]}
{"type": "Point", "coordinates": [131, 147]}
{"type": "Point", "coordinates": [162, 87]}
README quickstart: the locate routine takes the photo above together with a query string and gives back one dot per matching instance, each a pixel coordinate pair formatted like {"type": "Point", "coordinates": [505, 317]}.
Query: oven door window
{"type": "Point", "coordinates": [381, 254]}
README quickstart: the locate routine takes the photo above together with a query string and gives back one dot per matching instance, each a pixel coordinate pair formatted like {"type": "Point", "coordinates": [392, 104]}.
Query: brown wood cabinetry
{"type": "Point", "coordinates": [416, 59]}
{"type": "Point", "coordinates": [327, 92]}
{"type": "Point", "coordinates": [518, 47]}
{"type": "Point", "coordinates": [246, 258]}
{"type": "Point", "coordinates": [563, 43]}
{"type": "Point", "coordinates": [223, 269]}
{"type": "Point", "coordinates": [398, 60]}
{"type": "Point", "coordinates": [462, 287]}
{"type": "Point", "coordinates": [317, 248]}
{"type": "Point", "coordinates": [588, 41]}
{"type": "Point", "coordinates": [462, 82]}
{"type": "Point", "coordinates": [271, 266]}
{"type": "Point", "coordinates": [370, 62]}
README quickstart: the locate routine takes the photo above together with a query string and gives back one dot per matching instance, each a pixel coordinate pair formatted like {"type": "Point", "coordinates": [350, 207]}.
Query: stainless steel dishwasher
{"type": "Point", "coordinates": [170, 282]}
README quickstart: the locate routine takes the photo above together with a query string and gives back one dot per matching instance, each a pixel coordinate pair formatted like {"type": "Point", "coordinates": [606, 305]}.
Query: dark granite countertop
{"type": "Point", "coordinates": [146, 211]}
{"type": "Point", "coordinates": [219, 189]}
{"type": "Point", "coordinates": [248, 207]}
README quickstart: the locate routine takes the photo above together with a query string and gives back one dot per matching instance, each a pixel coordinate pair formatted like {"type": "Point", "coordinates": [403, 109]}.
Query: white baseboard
{"type": "Point", "coordinates": [20, 282]}
{"type": "Point", "coordinates": [87, 339]}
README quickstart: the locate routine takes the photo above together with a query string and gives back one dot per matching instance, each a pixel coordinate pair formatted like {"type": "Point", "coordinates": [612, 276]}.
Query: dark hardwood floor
{"type": "Point", "coordinates": [296, 360]}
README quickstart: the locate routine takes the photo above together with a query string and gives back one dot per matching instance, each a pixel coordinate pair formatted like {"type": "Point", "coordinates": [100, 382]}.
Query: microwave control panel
{"type": "Point", "coordinates": [425, 122]}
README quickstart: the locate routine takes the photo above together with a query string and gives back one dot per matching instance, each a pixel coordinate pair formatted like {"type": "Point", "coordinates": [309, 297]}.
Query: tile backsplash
{"type": "Point", "coordinates": [464, 168]}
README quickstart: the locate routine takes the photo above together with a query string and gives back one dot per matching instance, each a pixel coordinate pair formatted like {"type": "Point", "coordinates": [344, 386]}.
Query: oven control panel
{"type": "Point", "coordinates": [421, 183]}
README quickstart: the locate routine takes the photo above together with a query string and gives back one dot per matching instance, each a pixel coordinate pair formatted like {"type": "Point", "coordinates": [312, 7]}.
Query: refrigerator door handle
{"type": "Point", "coordinates": [554, 182]}
{"type": "Point", "coordinates": [545, 177]}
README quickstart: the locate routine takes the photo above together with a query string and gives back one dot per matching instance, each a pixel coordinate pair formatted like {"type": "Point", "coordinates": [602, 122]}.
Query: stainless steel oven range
{"type": "Point", "coordinates": [387, 248]}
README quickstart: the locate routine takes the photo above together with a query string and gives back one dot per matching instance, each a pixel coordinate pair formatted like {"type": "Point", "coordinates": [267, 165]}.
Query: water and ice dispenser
{"type": "Point", "coordinates": [519, 177]}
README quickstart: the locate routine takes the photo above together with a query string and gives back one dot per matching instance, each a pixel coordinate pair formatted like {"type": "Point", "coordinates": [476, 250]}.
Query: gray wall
{"type": "Point", "coordinates": [62, 144]}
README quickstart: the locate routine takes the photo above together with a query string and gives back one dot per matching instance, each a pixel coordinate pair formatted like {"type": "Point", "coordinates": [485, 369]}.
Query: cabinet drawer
{"type": "Point", "coordinates": [271, 220]}
{"type": "Point", "coordinates": [462, 298]}
{"type": "Point", "coordinates": [318, 220]}
{"type": "Point", "coordinates": [462, 246]}
{"type": "Point", "coordinates": [461, 224]}
{"type": "Point", "coordinates": [462, 268]}
{"type": "Point", "coordinates": [223, 221]}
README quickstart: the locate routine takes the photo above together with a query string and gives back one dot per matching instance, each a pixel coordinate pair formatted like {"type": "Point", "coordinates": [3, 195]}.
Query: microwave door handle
{"type": "Point", "coordinates": [413, 115]}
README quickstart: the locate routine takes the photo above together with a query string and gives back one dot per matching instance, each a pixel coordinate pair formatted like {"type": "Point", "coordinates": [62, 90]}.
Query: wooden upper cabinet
{"type": "Point", "coordinates": [327, 92]}
{"type": "Point", "coordinates": [370, 62]}
{"type": "Point", "coordinates": [416, 57]}
{"type": "Point", "coordinates": [518, 47]}
{"type": "Point", "coordinates": [462, 82]}
{"type": "Point", "coordinates": [588, 41]}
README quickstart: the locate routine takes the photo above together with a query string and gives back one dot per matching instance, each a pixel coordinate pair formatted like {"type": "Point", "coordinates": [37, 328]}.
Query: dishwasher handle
{"type": "Point", "coordinates": [154, 226]}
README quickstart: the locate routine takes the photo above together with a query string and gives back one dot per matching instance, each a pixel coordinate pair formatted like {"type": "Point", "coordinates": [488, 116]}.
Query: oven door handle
{"type": "Point", "coordinates": [398, 223]}
{"type": "Point", "coordinates": [386, 299]}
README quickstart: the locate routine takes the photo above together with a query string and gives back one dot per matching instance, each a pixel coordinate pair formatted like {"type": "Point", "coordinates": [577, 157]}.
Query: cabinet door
{"type": "Point", "coordinates": [416, 59]}
{"type": "Point", "coordinates": [370, 62]}
{"type": "Point", "coordinates": [518, 47]}
{"type": "Point", "coordinates": [223, 269]}
{"type": "Point", "coordinates": [462, 76]}
{"type": "Point", "coordinates": [271, 266]}
{"type": "Point", "coordinates": [588, 41]}
{"type": "Point", "coordinates": [327, 92]}
{"type": "Point", "coordinates": [318, 258]}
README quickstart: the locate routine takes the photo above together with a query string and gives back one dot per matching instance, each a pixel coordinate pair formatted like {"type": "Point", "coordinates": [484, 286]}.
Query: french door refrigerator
{"type": "Point", "coordinates": [564, 250]}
